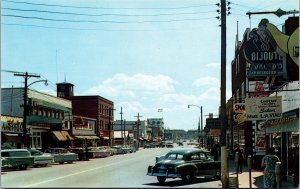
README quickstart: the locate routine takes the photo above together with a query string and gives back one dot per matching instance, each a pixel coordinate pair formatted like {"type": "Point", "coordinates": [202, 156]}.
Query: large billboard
{"type": "Point", "coordinates": [263, 57]}
{"type": "Point", "coordinates": [263, 108]}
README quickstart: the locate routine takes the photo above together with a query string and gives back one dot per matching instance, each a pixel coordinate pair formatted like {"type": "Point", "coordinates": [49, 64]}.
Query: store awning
{"type": "Point", "coordinates": [87, 137]}
{"type": "Point", "coordinates": [59, 136]}
{"type": "Point", "coordinates": [67, 135]}
{"type": "Point", "coordinates": [94, 137]}
{"type": "Point", "coordinates": [105, 138]}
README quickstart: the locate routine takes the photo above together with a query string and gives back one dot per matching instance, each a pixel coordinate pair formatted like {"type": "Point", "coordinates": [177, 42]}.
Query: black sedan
{"type": "Point", "coordinates": [185, 163]}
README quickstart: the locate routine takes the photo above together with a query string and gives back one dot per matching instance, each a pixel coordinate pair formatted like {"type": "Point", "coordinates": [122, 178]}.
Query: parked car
{"type": "Point", "coordinates": [41, 159]}
{"type": "Point", "coordinates": [62, 155]}
{"type": "Point", "coordinates": [169, 145]}
{"type": "Point", "coordinates": [3, 163]}
{"type": "Point", "coordinates": [128, 149]}
{"type": "Point", "coordinates": [81, 152]}
{"type": "Point", "coordinates": [119, 149]}
{"type": "Point", "coordinates": [185, 163]}
{"type": "Point", "coordinates": [17, 158]}
{"type": "Point", "coordinates": [112, 151]}
{"type": "Point", "coordinates": [99, 151]}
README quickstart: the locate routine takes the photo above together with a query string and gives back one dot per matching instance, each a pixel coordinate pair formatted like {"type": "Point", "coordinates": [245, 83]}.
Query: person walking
{"type": "Point", "coordinates": [240, 159]}
{"type": "Point", "coordinates": [296, 167]}
{"type": "Point", "coordinates": [269, 162]}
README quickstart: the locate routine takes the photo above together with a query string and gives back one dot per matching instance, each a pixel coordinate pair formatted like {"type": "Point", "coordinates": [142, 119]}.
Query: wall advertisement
{"type": "Point", "coordinates": [263, 108]}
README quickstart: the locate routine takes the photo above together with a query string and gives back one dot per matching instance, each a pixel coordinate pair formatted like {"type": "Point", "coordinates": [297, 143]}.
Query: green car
{"type": "Point", "coordinates": [41, 159]}
{"type": "Point", "coordinates": [62, 155]}
{"type": "Point", "coordinates": [17, 158]}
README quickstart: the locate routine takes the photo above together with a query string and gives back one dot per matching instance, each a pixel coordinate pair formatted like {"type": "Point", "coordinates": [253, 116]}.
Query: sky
{"type": "Point", "coordinates": [143, 55]}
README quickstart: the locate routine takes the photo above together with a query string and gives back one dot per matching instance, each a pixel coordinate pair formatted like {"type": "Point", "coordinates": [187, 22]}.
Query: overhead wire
{"type": "Point", "coordinates": [101, 15]}
{"type": "Point", "coordinates": [121, 8]}
{"type": "Point", "coordinates": [104, 21]}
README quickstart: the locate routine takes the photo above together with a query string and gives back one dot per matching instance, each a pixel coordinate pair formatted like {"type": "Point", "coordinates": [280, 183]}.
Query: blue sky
{"type": "Point", "coordinates": [143, 55]}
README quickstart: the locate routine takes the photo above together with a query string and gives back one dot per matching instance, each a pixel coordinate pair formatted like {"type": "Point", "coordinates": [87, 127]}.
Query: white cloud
{"type": "Point", "coordinates": [212, 81]}
{"type": "Point", "coordinates": [123, 85]}
{"type": "Point", "coordinates": [213, 65]}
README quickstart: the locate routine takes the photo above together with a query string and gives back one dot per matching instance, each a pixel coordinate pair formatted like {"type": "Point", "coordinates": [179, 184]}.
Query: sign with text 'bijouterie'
{"type": "Point", "coordinates": [263, 108]}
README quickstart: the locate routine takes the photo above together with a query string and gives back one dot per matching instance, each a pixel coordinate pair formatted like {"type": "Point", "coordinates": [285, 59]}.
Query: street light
{"type": "Point", "coordinates": [200, 107]}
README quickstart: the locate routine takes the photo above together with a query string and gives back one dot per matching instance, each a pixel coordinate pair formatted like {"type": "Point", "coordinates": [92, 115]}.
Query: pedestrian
{"type": "Point", "coordinates": [240, 159]}
{"type": "Point", "coordinates": [269, 162]}
{"type": "Point", "coordinates": [296, 167]}
{"type": "Point", "coordinates": [214, 152]}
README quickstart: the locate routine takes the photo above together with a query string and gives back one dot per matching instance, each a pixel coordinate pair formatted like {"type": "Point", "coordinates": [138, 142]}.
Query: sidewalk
{"type": "Point", "coordinates": [256, 177]}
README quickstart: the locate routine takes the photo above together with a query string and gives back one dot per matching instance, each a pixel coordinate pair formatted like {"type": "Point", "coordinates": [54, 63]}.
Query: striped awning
{"type": "Point", "coordinates": [59, 136]}
{"type": "Point", "coordinates": [67, 135]}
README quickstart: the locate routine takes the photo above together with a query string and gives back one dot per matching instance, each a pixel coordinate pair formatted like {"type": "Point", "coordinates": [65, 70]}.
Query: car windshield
{"type": "Point", "coordinates": [173, 156]}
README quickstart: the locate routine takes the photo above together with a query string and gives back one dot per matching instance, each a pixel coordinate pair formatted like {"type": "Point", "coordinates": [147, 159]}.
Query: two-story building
{"type": "Point", "coordinates": [95, 107]}
{"type": "Point", "coordinates": [48, 118]}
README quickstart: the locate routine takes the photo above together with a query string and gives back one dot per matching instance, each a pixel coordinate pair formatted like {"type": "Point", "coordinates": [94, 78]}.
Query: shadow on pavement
{"type": "Point", "coordinates": [259, 181]}
{"type": "Point", "coordinates": [179, 182]}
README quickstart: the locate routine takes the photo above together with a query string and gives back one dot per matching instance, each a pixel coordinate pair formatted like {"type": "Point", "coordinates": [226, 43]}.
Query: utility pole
{"type": "Point", "coordinates": [138, 130]}
{"type": "Point", "coordinates": [109, 123]}
{"type": "Point", "coordinates": [224, 165]}
{"type": "Point", "coordinates": [202, 137]}
{"type": "Point", "coordinates": [25, 105]}
{"type": "Point", "coordinates": [122, 133]}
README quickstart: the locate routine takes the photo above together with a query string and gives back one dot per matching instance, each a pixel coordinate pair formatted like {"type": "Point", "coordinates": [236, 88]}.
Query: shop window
{"type": "Point", "coordinates": [36, 140]}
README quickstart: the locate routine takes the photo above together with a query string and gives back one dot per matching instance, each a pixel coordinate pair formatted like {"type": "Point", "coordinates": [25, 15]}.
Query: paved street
{"type": "Point", "coordinates": [127, 170]}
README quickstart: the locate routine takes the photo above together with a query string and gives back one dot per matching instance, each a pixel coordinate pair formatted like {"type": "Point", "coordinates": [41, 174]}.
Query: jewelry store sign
{"type": "Point", "coordinates": [263, 108]}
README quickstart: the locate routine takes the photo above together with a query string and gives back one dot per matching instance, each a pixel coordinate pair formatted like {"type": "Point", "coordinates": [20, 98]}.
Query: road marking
{"type": "Point", "coordinates": [76, 173]}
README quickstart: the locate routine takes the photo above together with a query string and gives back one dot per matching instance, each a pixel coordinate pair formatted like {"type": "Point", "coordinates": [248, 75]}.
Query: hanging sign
{"type": "Point", "coordinates": [263, 108]}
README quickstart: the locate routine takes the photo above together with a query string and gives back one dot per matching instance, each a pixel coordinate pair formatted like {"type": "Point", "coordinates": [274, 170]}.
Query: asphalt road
{"type": "Point", "coordinates": [119, 171]}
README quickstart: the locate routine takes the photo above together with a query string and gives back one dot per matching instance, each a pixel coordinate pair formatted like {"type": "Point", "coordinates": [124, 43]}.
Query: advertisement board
{"type": "Point", "coordinates": [263, 108]}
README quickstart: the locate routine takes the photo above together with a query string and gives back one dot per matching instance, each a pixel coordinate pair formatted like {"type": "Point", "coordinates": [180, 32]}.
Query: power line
{"type": "Point", "coordinates": [124, 8]}
{"type": "Point", "coordinates": [105, 21]}
{"type": "Point", "coordinates": [100, 15]}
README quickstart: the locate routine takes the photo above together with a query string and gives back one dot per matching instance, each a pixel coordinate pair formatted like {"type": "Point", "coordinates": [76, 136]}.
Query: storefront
{"type": "Point", "coordinates": [11, 132]}
{"type": "Point", "coordinates": [84, 132]}
{"type": "Point", "coordinates": [284, 132]}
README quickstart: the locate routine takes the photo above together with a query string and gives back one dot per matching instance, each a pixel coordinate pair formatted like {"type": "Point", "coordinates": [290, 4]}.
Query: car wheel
{"type": "Point", "coordinates": [23, 167]}
{"type": "Point", "coordinates": [187, 177]}
{"type": "Point", "coordinates": [70, 162]}
{"type": "Point", "coordinates": [161, 179]}
{"type": "Point", "coordinates": [61, 162]}
{"type": "Point", "coordinates": [218, 175]}
{"type": "Point", "coordinates": [45, 165]}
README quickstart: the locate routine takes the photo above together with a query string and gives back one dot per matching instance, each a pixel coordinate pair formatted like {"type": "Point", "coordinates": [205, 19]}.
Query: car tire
{"type": "Point", "coordinates": [45, 165]}
{"type": "Point", "coordinates": [23, 167]}
{"type": "Point", "coordinates": [218, 175]}
{"type": "Point", "coordinates": [70, 162]}
{"type": "Point", "coordinates": [161, 179]}
{"type": "Point", "coordinates": [187, 177]}
{"type": "Point", "coordinates": [61, 162]}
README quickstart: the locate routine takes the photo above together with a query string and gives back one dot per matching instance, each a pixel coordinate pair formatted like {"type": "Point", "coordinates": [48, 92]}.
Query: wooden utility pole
{"type": "Point", "coordinates": [224, 166]}
{"type": "Point", "coordinates": [25, 105]}
{"type": "Point", "coordinates": [138, 130]}
{"type": "Point", "coordinates": [122, 133]}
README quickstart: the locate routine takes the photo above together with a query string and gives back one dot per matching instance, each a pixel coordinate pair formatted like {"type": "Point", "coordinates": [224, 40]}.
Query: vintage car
{"type": "Point", "coordinates": [41, 159]}
{"type": "Point", "coordinates": [112, 151]}
{"type": "Point", "coordinates": [3, 163]}
{"type": "Point", "coordinates": [119, 149]}
{"type": "Point", "coordinates": [185, 163]}
{"type": "Point", "coordinates": [99, 152]}
{"type": "Point", "coordinates": [62, 155]}
{"type": "Point", "coordinates": [17, 158]}
{"type": "Point", "coordinates": [83, 155]}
